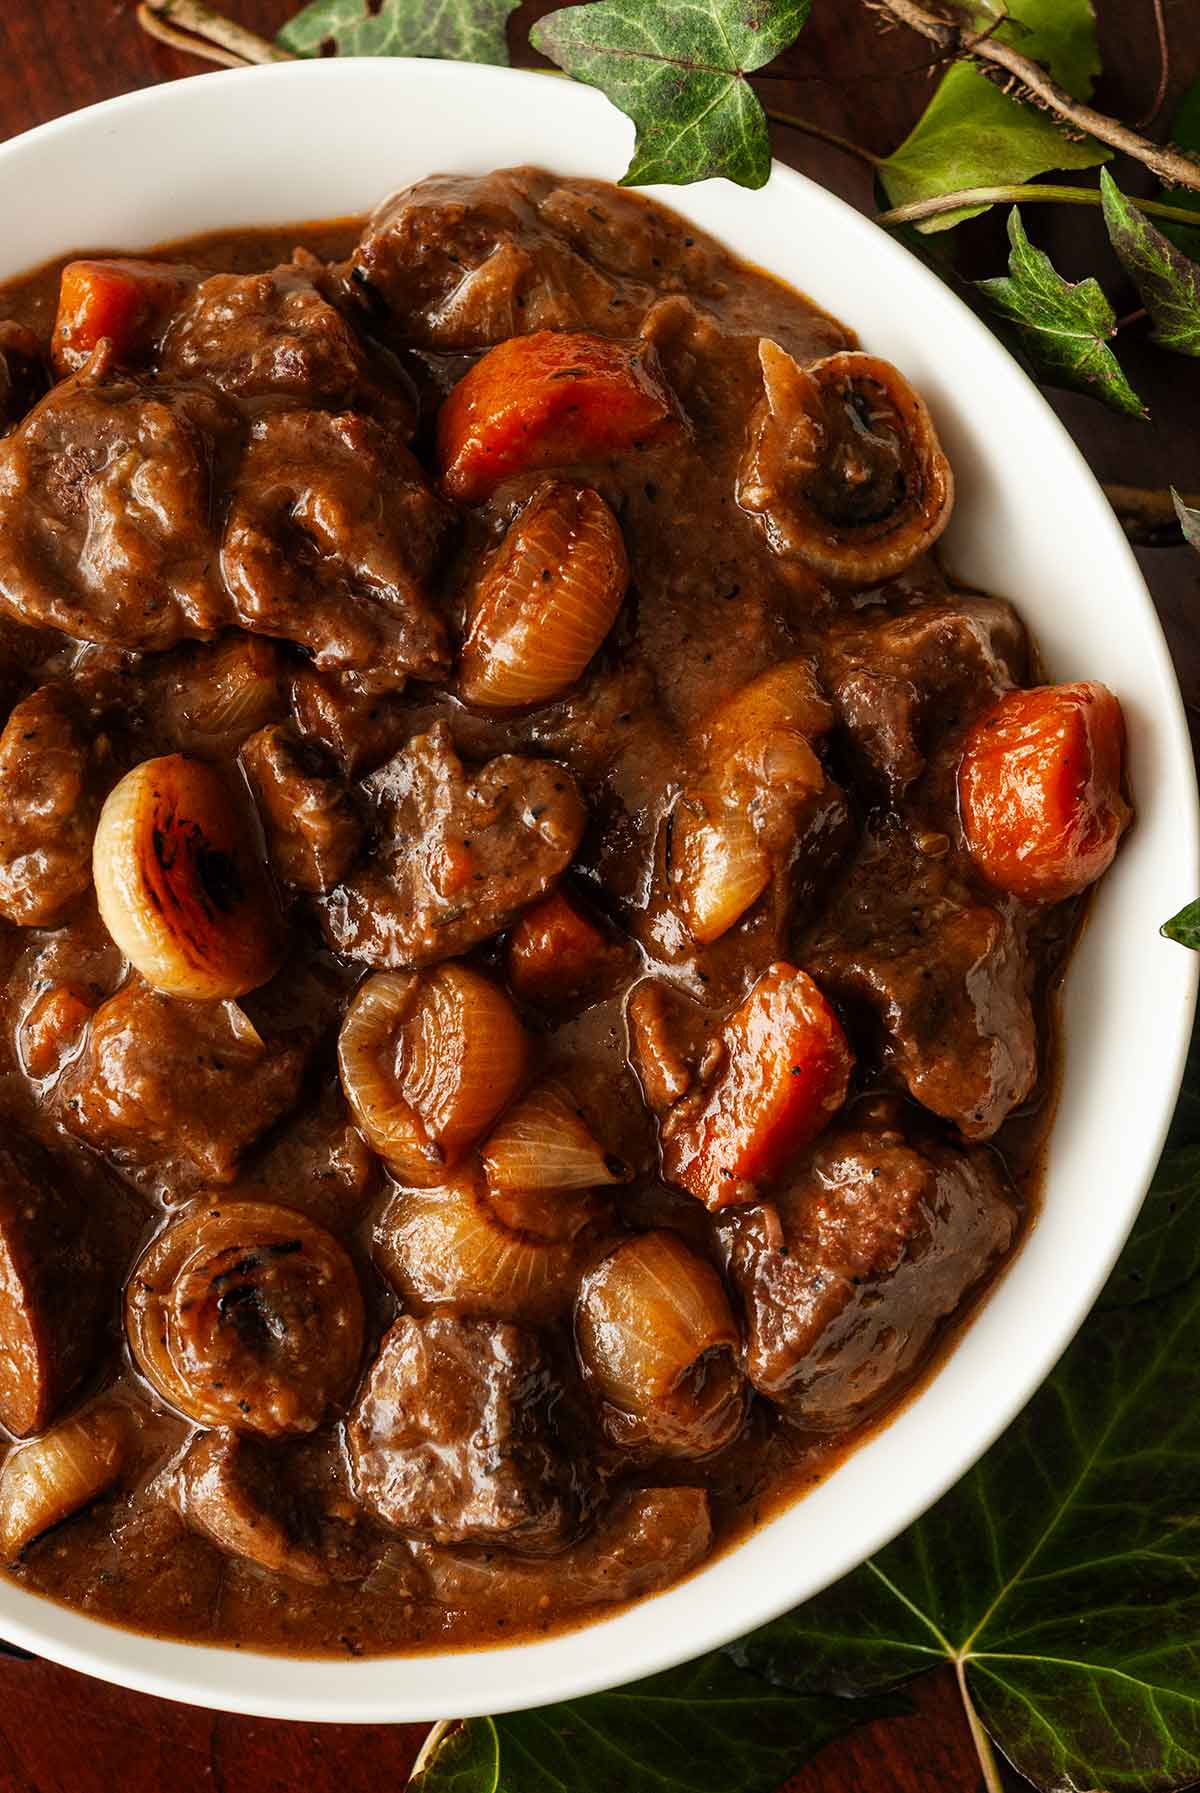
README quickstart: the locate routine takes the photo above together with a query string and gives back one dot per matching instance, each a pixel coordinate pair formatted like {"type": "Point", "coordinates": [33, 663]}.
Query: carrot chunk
{"type": "Point", "coordinates": [553, 399]}
{"type": "Point", "coordinates": [784, 1073]}
{"type": "Point", "coordinates": [1039, 789]}
{"type": "Point", "coordinates": [556, 954]}
{"type": "Point", "coordinates": [127, 301]}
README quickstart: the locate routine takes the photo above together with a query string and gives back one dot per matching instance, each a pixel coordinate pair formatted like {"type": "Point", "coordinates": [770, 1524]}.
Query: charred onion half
{"type": "Point", "coordinates": [181, 884]}
{"type": "Point", "coordinates": [249, 1316]}
{"type": "Point", "coordinates": [844, 466]}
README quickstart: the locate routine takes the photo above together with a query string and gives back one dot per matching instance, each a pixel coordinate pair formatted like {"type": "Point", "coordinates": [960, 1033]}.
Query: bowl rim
{"type": "Point", "coordinates": [539, 1672]}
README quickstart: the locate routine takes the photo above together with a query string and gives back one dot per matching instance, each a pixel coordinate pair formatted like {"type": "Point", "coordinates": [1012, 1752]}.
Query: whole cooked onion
{"type": "Point", "coordinates": [545, 601]}
{"type": "Point", "coordinates": [844, 466]}
{"type": "Point", "coordinates": [247, 1315]}
{"type": "Point", "coordinates": [181, 884]}
{"type": "Point", "coordinates": [544, 1143]}
{"type": "Point", "coordinates": [450, 1247]}
{"type": "Point", "coordinates": [49, 1478]}
{"type": "Point", "coordinates": [427, 1062]}
{"type": "Point", "coordinates": [658, 1342]}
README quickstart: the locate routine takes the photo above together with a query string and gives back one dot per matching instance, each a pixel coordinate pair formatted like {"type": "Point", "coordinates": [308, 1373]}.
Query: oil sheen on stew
{"type": "Point", "coordinates": [530, 916]}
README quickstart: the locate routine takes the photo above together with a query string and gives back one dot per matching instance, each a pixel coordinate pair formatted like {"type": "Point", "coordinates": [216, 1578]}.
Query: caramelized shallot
{"type": "Point", "coordinates": [247, 1315]}
{"type": "Point", "coordinates": [658, 1342]}
{"type": "Point", "coordinates": [427, 1062]}
{"type": "Point", "coordinates": [545, 601]}
{"type": "Point", "coordinates": [504, 1258]}
{"type": "Point", "coordinates": [48, 1479]}
{"type": "Point", "coordinates": [544, 1143]}
{"type": "Point", "coordinates": [181, 885]}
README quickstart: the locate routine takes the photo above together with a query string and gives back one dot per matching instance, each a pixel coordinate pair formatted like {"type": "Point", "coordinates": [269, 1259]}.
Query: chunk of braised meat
{"type": "Point", "coordinates": [844, 466]}
{"type": "Point", "coordinates": [179, 1087]}
{"type": "Point", "coordinates": [848, 1274]}
{"type": "Point", "coordinates": [276, 335]}
{"type": "Point", "coordinates": [312, 827]}
{"type": "Point", "coordinates": [48, 808]}
{"type": "Point", "coordinates": [647, 1539]}
{"type": "Point", "coordinates": [456, 262]}
{"type": "Point", "coordinates": [238, 1491]}
{"type": "Point", "coordinates": [319, 1163]}
{"type": "Point", "coordinates": [22, 373]}
{"type": "Point", "coordinates": [453, 1437]}
{"type": "Point", "coordinates": [54, 1290]}
{"type": "Point", "coordinates": [943, 977]}
{"type": "Point", "coordinates": [331, 536]}
{"type": "Point", "coordinates": [899, 678]}
{"type": "Point", "coordinates": [106, 504]}
{"type": "Point", "coordinates": [493, 839]}
{"type": "Point", "coordinates": [360, 727]}
{"type": "Point", "coordinates": [247, 1315]}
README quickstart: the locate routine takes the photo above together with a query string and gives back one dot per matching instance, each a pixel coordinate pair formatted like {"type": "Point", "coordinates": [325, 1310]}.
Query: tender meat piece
{"type": "Point", "coordinates": [901, 679]}
{"type": "Point", "coordinates": [313, 830]}
{"type": "Point", "coordinates": [53, 1286]}
{"type": "Point", "coordinates": [460, 853]}
{"type": "Point", "coordinates": [275, 335]}
{"type": "Point", "coordinates": [238, 1491]}
{"type": "Point", "coordinates": [846, 1278]}
{"type": "Point", "coordinates": [647, 1539]}
{"type": "Point", "coordinates": [48, 809]}
{"type": "Point", "coordinates": [456, 262]}
{"type": "Point", "coordinates": [453, 1437]}
{"type": "Point", "coordinates": [106, 512]}
{"type": "Point", "coordinates": [360, 727]}
{"type": "Point", "coordinates": [331, 536]}
{"type": "Point", "coordinates": [22, 373]}
{"type": "Point", "coordinates": [189, 1083]}
{"type": "Point", "coordinates": [319, 1163]}
{"type": "Point", "coordinates": [945, 977]}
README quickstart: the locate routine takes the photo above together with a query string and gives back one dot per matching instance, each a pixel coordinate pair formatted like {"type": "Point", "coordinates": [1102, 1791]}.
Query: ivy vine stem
{"type": "Point", "coordinates": [992, 54]}
{"type": "Point", "coordinates": [199, 29]}
{"type": "Point", "coordinates": [1033, 194]}
{"type": "Point", "coordinates": [809, 129]}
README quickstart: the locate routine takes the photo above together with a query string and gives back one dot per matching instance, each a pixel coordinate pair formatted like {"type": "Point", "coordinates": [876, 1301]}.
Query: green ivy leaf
{"type": "Point", "coordinates": [972, 134]}
{"type": "Point", "coordinates": [678, 69]}
{"type": "Point", "coordinates": [703, 1728]}
{"type": "Point", "coordinates": [1166, 279]}
{"type": "Point", "coordinates": [1185, 927]}
{"type": "Point", "coordinates": [1064, 328]}
{"type": "Point", "coordinates": [1185, 134]}
{"type": "Point", "coordinates": [1189, 522]}
{"type": "Point", "coordinates": [455, 30]}
{"type": "Point", "coordinates": [1061, 1576]}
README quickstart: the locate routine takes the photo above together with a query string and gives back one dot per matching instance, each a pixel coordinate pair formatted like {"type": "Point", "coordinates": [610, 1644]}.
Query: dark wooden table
{"type": "Point", "coordinates": [62, 1733]}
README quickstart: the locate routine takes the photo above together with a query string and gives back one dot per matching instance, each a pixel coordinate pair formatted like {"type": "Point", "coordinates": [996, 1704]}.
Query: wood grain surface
{"type": "Point", "coordinates": [63, 1733]}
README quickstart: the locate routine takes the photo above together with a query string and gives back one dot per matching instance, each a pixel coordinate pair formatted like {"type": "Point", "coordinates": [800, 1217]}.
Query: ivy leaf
{"type": "Point", "coordinates": [455, 30]}
{"type": "Point", "coordinates": [1061, 1577]}
{"type": "Point", "coordinates": [1189, 522]}
{"type": "Point", "coordinates": [1185, 927]}
{"type": "Point", "coordinates": [1167, 281]}
{"type": "Point", "coordinates": [703, 1728]}
{"type": "Point", "coordinates": [973, 135]}
{"type": "Point", "coordinates": [1185, 134]}
{"type": "Point", "coordinates": [1063, 328]}
{"type": "Point", "coordinates": [678, 69]}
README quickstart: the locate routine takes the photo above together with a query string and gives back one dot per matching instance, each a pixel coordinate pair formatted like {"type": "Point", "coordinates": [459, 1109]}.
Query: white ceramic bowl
{"type": "Point", "coordinates": [317, 139]}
